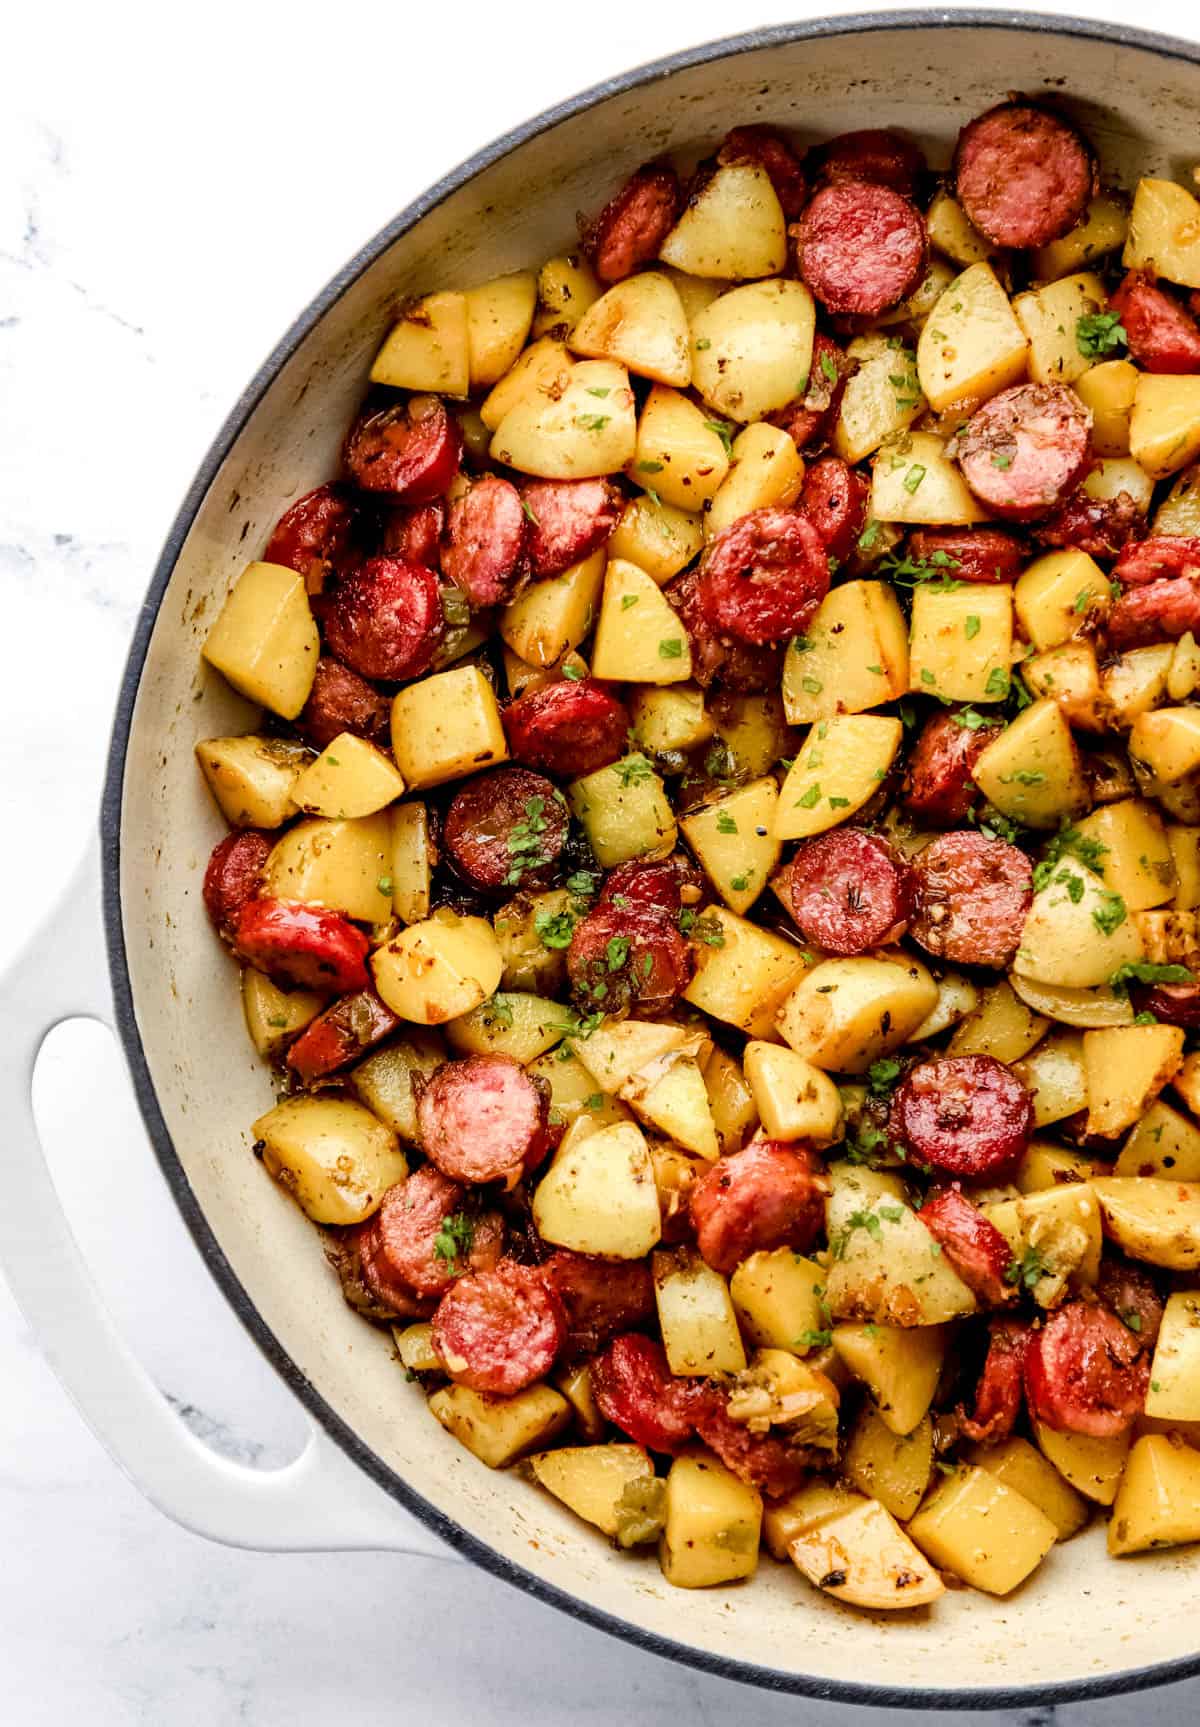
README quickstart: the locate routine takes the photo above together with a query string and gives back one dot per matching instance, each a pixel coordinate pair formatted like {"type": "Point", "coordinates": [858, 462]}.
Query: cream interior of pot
{"type": "Point", "coordinates": [1082, 1615]}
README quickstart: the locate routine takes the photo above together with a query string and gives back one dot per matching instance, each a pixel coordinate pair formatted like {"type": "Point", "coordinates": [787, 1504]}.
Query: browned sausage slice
{"type": "Point", "coordinates": [1161, 555]}
{"type": "Point", "coordinates": [485, 540]}
{"type": "Point", "coordinates": [772, 152]}
{"type": "Point", "coordinates": [410, 451]}
{"type": "Point", "coordinates": [628, 956]}
{"type": "Point", "coordinates": [506, 829]}
{"type": "Point", "coordinates": [568, 520]}
{"type": "Point", "coordinates": [716, 657]}
{"type": "Point", "coordinates": [999, 1393]}
{"type": "Point", "coordinates": [421, 1239]}
{"type": "Point", "coordinates": [972, 895]}
{"type": "Point", "coordinates": [834, 498]}
{"type": "Point", "coordinates": [938, 787]}
{"type": "Point", "coordinates": [414, 534]}
{"type": "Point", "coordinates": [969, 554]}
{"type": "Point", "coordinates": [1101, 527]}
{"type": "Point", "coordinates": [316, 536]}
{"type": "Point", "coordinates": [1086, 1372]}
{"type": "Point", "coordinates": [499, 1331]}
{"type": "Point", "coordinates": [860, 247]}
{"type": "Point", "coordinates": [1162, 335]}
{"type": "Point", "coordinates": [601, 1297]}
{"type": "Point", "coordinates": [1158, 612]}
{"type": "Point", "coordinates": [967, 1115]}
{"type": "Point", "coordinates": [302, 946]}
{"type": "Point", "coordinates": [808, 420]}
{"type": "Point", "coordinates": [1023, 176]}
{"type": "Point", "coordinates": [883, 157]}
{"type": "Point", "coordinates": [484, 1119]}
{"type": "Point", "coordinates": [386, 620]}
{"type": "Point", "coordinates": [637, 1392]}
{"type": "Point", "coordinates": [974, 1246]}
{"type": "Point", "coordinates": [769, 1195]}
{"type": "Point", "coordinates": [341, 1035]}
{"type": "Point", "coordinates": [776, 1465]}
{"type": "Point", "coordinates": [1025, 451]}
{"type": "Point", "coordinates": [234, 876]}
{"type": "Point", "coordinates": [763, 577]}
{"type": "Point", "coordinates": [849, 891]}
{"type": "Point", "coordinates": [633, 225]}
{"type": "Point", "coordinates": [340, 701]}
{"type": "Point", "coordinates": [569, 728]}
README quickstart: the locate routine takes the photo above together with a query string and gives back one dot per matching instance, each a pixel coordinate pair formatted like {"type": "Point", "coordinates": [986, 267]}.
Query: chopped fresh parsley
{"type": "Point", "coordinates": [882, 1076]}
{"type": "Point", "coordinates": [1144, 971]}
{"type": "Point", "coordinates": [525, 842]}
{"type": "Point", "coordinates": [384, 884]}
{"type": "Point", "coordinates": [649, 467]}
{"type": "Point", "coordinates": [1099, 333]}
{"type": "Point", "coordinates": [617, 952]}
{"type": "Point", "coordinates": [671, 648]}
{"type": "Point", "coordinates": [628, 601]}
{"type": "Point", "coordinates": [592, 422]}
{"type": "Point", "coordinates": [454, 1239]}
{"type": "Point", "coordinates": [1109, 915]}
{"type": "Point", "coordinates": [726, 823]}
{"type": "Point", "coordinates": [1027, 1270]}
{"type": "Point", "coordinates": [971, 627]}
{"type": "Point", "coordinates": [722, 431]}
{"type": "Point", "coordinates": [573, 673]}
{"type": "Point", "coordinates": [998, 683]}
{"type": "Point", "coordinates": [811, 798]}
{"type": "Point", "coordinates": [914, 476]}
{"type": "Point", "coordinates": [554, 929]}
{"type": "Point", "coordinates": [634, 770]}
{"type": "Point", "coordinates": [970, 719]}
{"type": "Point", "coordinates": [1002, 460]}
{"type": "Point", "coordinates": [709, 931]}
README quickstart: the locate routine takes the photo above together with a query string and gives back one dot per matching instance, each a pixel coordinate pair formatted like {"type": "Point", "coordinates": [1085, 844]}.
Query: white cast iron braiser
{"type": "Point", "coordinates": [1084, 1625]}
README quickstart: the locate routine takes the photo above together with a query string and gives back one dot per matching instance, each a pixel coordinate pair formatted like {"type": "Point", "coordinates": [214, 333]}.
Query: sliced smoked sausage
{"type": "Point", "coordinates": [302, 946]}
{"type": "Point", "coordinates": [771, 1462]}
{"type": "Point", "coordinates": [1160, 611]}
{"type": "Point", "coordinates": [626, 957]}
{"type": "Point", "coordinates": [999, 1393]}
{"type": "Point", "coordinates": [569, 728]}
{"type": "Point", "coordinates": [421, 1239]}
{"type": "Point", "coordinates": [1023, 176]}
{"type": "Point", "coordinates": [410, 451]}
{"type": "Point", "coordinates": [1086, 1372]}
{"type": "Point", "coordinates": [483, 552]}
{"type": "Point", "coordinates": [834, 498]}
{"type": "Point", "coordinates": [809, 419]}
{"type": "Point", "coordinates": [633, 224]}
{"type": "Point", "coordinates": [763, 577]}
{"type": "Point", "coordinates": [340, 701]}
{"type": "Point", "coordinates": [386, 620]}
{"type": "Point", "coordinates": [860, 247]}
{"type": "Point", "coordinates": [1129, 1290]}
{"type": "Point", "coordinates": [974, 1246]}
{"type": "Point", "coordinates": [1025, 451]}
{"type": "Point", "coordinates": [1160, 556]}
{"type": "Point", "coordinates": [413, 533]}
{"type": "Point", "coordinates": [767, 148]}
{"type": "Point", "coordinates": [717, 657]}
{"type": "Point", "coordinates": [883, 157]}
{"type": "Point", "coordinates": [505, 829]}
{"type": "Point", "coordinates": [567, 520]}
{"type": "Point", "coordinates": [769, 1195]}
{"type": "Point", "coordinates": [848, 891]}
{"type": "Point", "coordinates": [636, 1390]}
{"type": "Point", "coordinates": [233, 877]}
{"type": "Point", "coordinates": [1162, 335]}
{"type": "Point", "coordinates": [601, 1297]}
{"type": "Point", "coordinates": [340, 1035]}
{"type": "Point", "coordinates": [484, 1119]}
{"type": "Point", "coordinates": [499, 1331]}
{"type": "Point", "coordinates": [965, 1115]}
{"type": "Point", "coordinates": [971, 897]}
{"type": "Point", "coordinates": [938, 788]}
{"type": "Point", "coordinates": [658, 884]}
{"type": "Point", "coordinates": [1101, 527]}
{"type": "Point", "coordinates": [969, 554]}
{"type": "Point", "coordinates": [316, 536]}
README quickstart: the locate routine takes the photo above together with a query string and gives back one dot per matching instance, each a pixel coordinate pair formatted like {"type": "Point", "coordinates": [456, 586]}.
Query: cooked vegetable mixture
{"type": "Point", "coordinates": [718, 876]}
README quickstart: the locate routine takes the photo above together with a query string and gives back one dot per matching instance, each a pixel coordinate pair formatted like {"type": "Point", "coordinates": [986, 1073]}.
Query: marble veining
{"type": "Point", "coordinates": [174, 187]}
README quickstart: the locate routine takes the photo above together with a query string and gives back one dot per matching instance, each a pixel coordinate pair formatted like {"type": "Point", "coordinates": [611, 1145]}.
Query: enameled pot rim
{"type": "Point", "coordinates": [768, 1678]}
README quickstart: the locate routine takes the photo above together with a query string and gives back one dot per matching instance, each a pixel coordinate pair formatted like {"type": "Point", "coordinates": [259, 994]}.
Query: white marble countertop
{"type": "Point", "coordinates": [176, 183]}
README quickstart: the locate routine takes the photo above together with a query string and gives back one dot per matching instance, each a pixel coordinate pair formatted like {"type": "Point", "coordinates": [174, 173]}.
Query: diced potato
{"type": "Point", "coordinates": [589, 429]}
{"type": "Point", "coordinates": [1049, 316]}
{"type": "Point", "coordinates": [862, 1556]}
{"type": "Point", "coordinates": [1101, 229]}
{"type": "Point", "coordinates": [841, 765]}
{"type": "Point", "coordinates": [446, 726]}
{"type": "Point", "coordinates": [412, 861]}
{"type": "Point", "coordinates": [339, 864]}
{"type": "Point", "coordinates": [573, 1091]}
{"type": "Point", "coordinates": [766, 470]}
{"type": "Point", "coordinates": [952, 232]}
{"type": "Point", "coordinates": [1164, 424]}
{"type": "Point", "coordinates": [729, 1099]}
{"type": "Point", "coordinates": [252, 778]}
{"type": "Point", "coordinates": [670, 719]}
{"type": "Point", "coordinates": [956, 998]}
{"type": "Point", "coordinates": [1183, 674]}
{"type": "Point", "coordinates": [881, 400]}
{"type": "Point", "coordinates": [334, 1158]}
{"type": "Point", "coordinates": [1163, 1144]}
{"type": "Point", "coordinates": [439, 969]}
{"type": "Point", "coordinates": [540, 374]}
{"type": "Point", "coordinates": [892, 1273]}
{"type": "Point", "coordinates": [275, 1016]}
{"type": "Point", "coordinates": [640, 323]}
{"type": "Point", "coordinates": [1135, 682]}
{"type": "Point", "coordinates": [795, 1100]}
{"type": "Point", "coordinates": [1156, 1221]}
{"type": "Point", "coordinates": [499, 314]}
{"type": "Point", "coordinates": [1164, 232]}
{"type": "Point", "coordinates": [624, 811]}
{"type": "Point", "coordinates": [818, 1500]}
{"type": "Point", "coordinates": [853, 655]}
{"type": "Point", "coordinates": [939, 274]}
{"type": "Point", "coordinates": [566, 287]}
{"type": "Point", "coordinates": [1058, 595]}
{"type": "Point", "coordinates": [1055, 1237]}
{"type": "Point", "coordinates": [778, 1297]}
{"type": "Point", "coordinates": [384, 1081]}
{"type": "Point", "coordinates": [551, 617]}
{"type": "Point", "coordinates": [656, 536]}
{"type": "Point", "coordinates": [591, 1479]}
{"type": "Point", "coordinates": [695, 292]}
{"type": "Point", "coordinates": [1187, 1082]}
{"type": "Point", "coordinates": [983, 1530]}
{"type": "Point", "coordinates": [1033, 771]}
{"type": "Point", "coordinates": [1158, 1502]}
{"type": "Point", "coordinates": [1069, 676]}
{"type": "Point", "coordinates": [1125, 1070]}
{"type": "Point", "coordinates": [598, 1195]}
{"type": "Point", "coordinates": [428, 348]}
{"type": "Point", "coordinates": [1055, 1076]}
{"type": "Point", "coordinates": [1108, 391]}
{"type": "Point", "coordinates": [753, 730]}
{"type": "Point", "coordinates": [960, 642]}
{"type": "Point", "coordinates": [743, 972]}
{"type": "Point", "coordinates": [1167, 742]}
{"type": "Point", "coordinates": [1113, 475]}
{"type": "Point", "coordinates": [1001, 1026]}
{"type": "Point", "coordinates": [1044, 1166]}
{"type": "Point", "coordinates": [265, 640]}
{"type": "Point", "coordinates": [900, 1366]}
{"type": "Point", "coordinates": [515, 1023]}
{"type": "Point", "coordinates": [732, 227]}
{"type": "Point", "coordinates": [1076, 942]}
{"type": "Point", "coordinates": [349, 778]}
{"type": "Point", "coordinates": [498, 1430]}
{"type": "Point", "coordinates": [734, 839]}
{"type": "Point", "coordinates": [1179, 512]}
{"type": "Point", "coordinates": [914, 482]}
{"type": "Point", "coordinates": [846, 1013]}
{"type": "Point", "coordinates": [696, 1316]}
{"type": "Point", "coordinates": [1092, 1466]}
{"type": "Point", "coordinates": [671, 1095]}
{"type": "Point", "coordinates": [534, 930]}
{"type": "Point", "coordinates": [680, 453]}
{"type": "Point", "coordinates": [575, 1383]}
{"type": "Point", "coordinates": [1137, 861]}
{"type": "Point", "coordinates": [414, 1346]}
{"type": "Point", "coordinates": [1170, 937]}
{"type": "Point", "coordinates": [1174, 1393]}
{"type": "Point", "coordinates": [1020, 1466]}
{"type": "Point", "coordinates": [891, 1467]}
{"type": "Point", "coordinates": [971, 346]}
{"type": "Point", "coordinates": [752, 348]}
{"type": "Point", "coordinates": [639, 637]}
{"type": "Point", "coordinates": [613, 1053]}
{"type": "Point", "coordinates": [713, 1524]}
